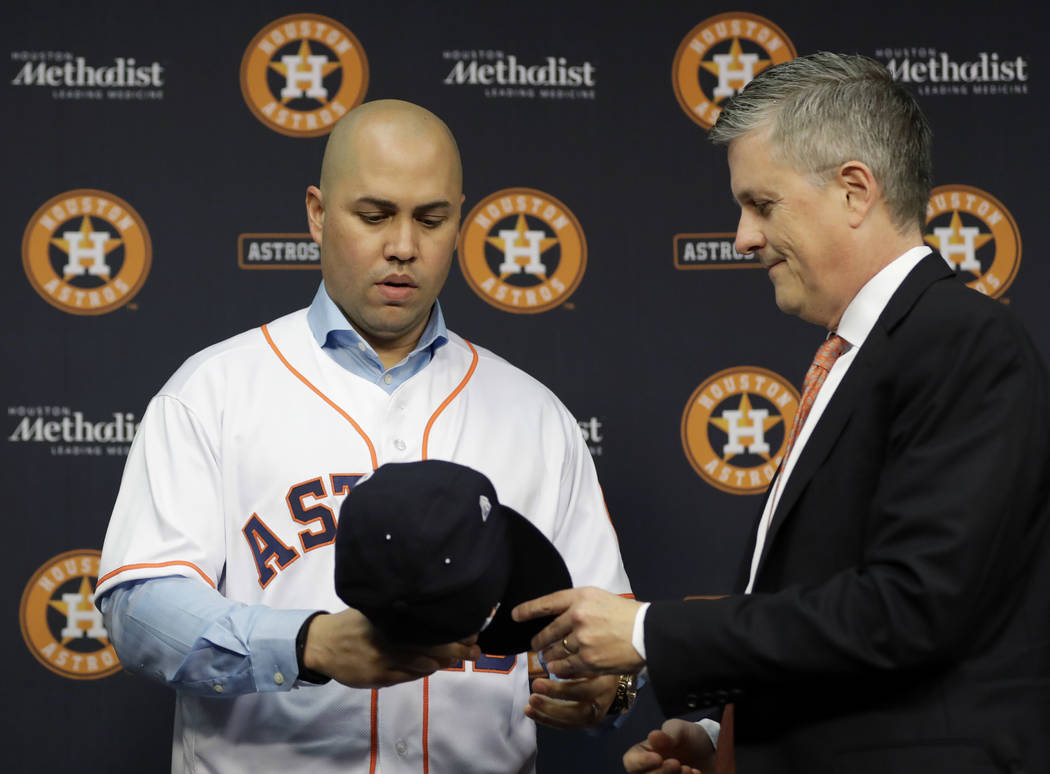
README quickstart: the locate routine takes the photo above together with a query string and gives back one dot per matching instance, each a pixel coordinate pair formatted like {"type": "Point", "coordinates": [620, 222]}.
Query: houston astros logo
{"type": "Point", "coordinates": [522, 250]}
{"type": "Point", "coordinates": [973, 230]}
{"type": "Point", "coordinates": [720, 56]}
{"type": "Point", "coordinates": [86, 252]}
{"type": "Point", "coordinates": [60, 622]}
{"type": "Point", "coordinates": [735, 428]}
{"type": "Point", "coordinates": [302, 72]}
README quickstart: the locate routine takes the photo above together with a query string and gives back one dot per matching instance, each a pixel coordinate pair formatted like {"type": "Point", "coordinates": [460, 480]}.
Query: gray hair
{"type": "Point", "coordinates": [826, 109]}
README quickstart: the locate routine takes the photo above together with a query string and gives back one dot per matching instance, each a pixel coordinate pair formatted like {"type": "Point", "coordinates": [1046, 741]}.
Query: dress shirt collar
{"type": "Point", "coordinates": [334, 334]}
{"type": "Point", "coordinates": [865, 308]}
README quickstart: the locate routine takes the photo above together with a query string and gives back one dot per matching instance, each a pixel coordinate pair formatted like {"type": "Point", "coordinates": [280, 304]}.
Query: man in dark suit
{"type": "Point", "coordinates": [895, 609]}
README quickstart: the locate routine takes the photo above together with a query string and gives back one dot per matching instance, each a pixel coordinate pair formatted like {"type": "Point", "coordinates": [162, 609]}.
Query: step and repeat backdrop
{"type": "Point", "coordinates": [157, 158]}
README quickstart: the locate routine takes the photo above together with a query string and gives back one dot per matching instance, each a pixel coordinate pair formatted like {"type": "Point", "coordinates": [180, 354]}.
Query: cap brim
{"type": "Point", "coordinates": [536, 569]}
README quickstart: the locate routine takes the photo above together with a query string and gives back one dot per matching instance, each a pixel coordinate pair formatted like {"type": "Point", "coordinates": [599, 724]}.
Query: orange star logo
{"type": "Point", "coordinates": [747, 421]}
{"type": "Point", "coordinates": [956, 237]}
{"type": "Point", "coordinates": [520, 240]}
{"type": "Point", "coordinates": [85, 240]}
{"type": "Point", "coordinates": [735, 65]}
{"type": "Point", "coordinates": [303, 67]}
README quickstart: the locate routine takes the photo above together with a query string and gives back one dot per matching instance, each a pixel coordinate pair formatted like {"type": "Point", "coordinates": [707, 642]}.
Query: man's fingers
{"type": "Point", "coordinates": [661, 742]}
{"type": "Point", "coordinates": [394, 676]}
{"type": "Point", "coordinates": [551, 604]}
{"type": "Point", "coordinates": [570, 704]}
{"type": "Point", "coordinates": [563, 714]}
{"type": "Point", "coordinates": [445, 655]}
{"type": "Point", "coordinates": [567, 690]}
{"type": "Point", "coordinates": [457, 651]}
{"type": "Point", "coordinates": [417, 665]}
{"type": "Point", "coordinates": [640, 759]}
{"type": "Point", "coordinates": [600, 689]}
{"type": "Point", "coordinates": [570, 668]}
{"type": "Point", "coordinates": [664, 752]}
{"type": "Point", "coordinates": [423, 663]}
{"type": "Point", "coordinates": [553, 634]}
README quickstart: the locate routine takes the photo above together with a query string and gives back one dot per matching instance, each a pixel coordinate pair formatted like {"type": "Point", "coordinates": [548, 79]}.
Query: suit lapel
{"type": "Point", "coordinates": [852, 389]}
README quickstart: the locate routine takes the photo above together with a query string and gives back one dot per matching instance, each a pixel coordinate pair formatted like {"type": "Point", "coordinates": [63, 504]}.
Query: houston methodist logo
{"type": "Point", "coordinates": [735, 428]}
{"type": "Point", "coordinates": [302, 72]}
{"type": "Point", "coordinates": [973, 230]}
{"type": "Point", "coordinates": [522, 250]}
{"type": "Point", "coordinates": [86, 252]}
{"type": "Point", "coordinates": [60, 622]}
{"type": "Point", "coordinates": [720, 56]}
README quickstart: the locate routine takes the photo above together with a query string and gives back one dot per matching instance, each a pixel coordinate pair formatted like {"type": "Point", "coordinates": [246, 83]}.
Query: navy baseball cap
{"type": "Point", "coordinates": [426, 551]}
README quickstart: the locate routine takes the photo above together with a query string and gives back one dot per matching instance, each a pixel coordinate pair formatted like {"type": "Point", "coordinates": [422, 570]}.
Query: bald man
{"type": "Point", "coordinates": [217, 570]}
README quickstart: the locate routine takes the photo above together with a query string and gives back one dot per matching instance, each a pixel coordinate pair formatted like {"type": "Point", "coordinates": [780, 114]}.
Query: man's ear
{"type": "Point", "coordinates": [315, 212]}
{"type": "Point", "coordinates": [859, 189]}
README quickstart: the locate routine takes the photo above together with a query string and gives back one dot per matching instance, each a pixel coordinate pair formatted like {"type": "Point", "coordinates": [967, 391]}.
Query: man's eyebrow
{"type": "Point", "coordinates": [435, 205]}
{"type": "Point", "coordinates": [377, 202]}
{"type": "Point", "coordinates": [750, 196]}
{"type": "Point", "coordinates": [386, 204]}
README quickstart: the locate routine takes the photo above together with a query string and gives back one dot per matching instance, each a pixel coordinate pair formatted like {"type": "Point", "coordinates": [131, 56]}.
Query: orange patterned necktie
{"type": "Point", "coordinates": [825, 358]}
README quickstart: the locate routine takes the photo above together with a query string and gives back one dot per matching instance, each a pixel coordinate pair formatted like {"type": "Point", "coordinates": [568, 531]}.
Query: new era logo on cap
{"type": "Point", "coordinates": [412, 555]}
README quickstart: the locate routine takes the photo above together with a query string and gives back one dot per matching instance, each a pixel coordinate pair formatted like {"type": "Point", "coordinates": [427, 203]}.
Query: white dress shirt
{"type": "Point", "coordinates": [855, 325]}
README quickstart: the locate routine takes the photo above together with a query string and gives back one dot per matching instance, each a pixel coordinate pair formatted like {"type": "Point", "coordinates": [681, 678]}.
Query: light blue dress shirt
{"type": "Point", "coordinates": [186, 634]}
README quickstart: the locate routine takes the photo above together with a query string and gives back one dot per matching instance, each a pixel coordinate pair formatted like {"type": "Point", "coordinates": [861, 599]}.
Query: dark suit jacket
{"type": "Point", "coordinates": [900, 620]}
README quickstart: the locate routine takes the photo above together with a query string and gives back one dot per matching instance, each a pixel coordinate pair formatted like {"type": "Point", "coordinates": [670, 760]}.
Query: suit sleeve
{"type": "Point", "coordinates": [957, 500]}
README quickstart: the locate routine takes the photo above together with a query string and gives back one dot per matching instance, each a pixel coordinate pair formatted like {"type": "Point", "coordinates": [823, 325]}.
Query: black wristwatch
{"type": "Point", "coordinates": [308, 675]}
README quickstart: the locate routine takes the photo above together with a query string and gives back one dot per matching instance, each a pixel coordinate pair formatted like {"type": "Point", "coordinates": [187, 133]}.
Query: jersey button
{"type": "Point", "coordinates": [217, 688]}
{"type": "Point", "coordinates": [388, 378]}
{"type": "Point", "coordinates": [361, 346]}
{"type": "Point", "coordinates": [278, 678]}
{"type": "Point", "coordinates": [401, 747]}
{"type": "Point", "coordinates": [400, 445]}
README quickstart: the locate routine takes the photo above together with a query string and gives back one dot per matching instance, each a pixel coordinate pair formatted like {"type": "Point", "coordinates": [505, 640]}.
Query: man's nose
{"type": "Point", "coordinates": [749, 236]}
{"type": "Point", "coordinates": [401, 242]}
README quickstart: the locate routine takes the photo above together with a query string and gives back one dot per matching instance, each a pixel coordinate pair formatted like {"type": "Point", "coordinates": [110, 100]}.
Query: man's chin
{"type": "Point", "coordinates": [787, 302]}
{"type": "Point", "coordinates": [394, 324]}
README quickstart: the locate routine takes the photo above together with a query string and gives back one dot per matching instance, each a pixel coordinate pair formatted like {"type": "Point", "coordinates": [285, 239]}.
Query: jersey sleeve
{"type": "Point", "coordinates": [584, 532]}
{"type": "Point", "coordinates": [167, 519]}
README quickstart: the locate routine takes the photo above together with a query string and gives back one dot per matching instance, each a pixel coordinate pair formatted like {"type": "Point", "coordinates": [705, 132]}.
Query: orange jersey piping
{"type": "Point", "coordinates": [322, 396]}
{"type": "Point", "coordinates": [426, 725]}
{"type": "Point", "coordinates": [451, 397]}
{"type": "Point", "coordinates": [152, 565]}
{"type": "Point", "coordinates": [375, 732]}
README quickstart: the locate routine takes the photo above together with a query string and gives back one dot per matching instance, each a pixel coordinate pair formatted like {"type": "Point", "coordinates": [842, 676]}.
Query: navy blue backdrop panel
{"type": "Point", "coordinates": [157, 168]}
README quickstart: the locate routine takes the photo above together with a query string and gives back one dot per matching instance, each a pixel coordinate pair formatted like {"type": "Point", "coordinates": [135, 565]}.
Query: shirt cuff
{"type": "Point", "coordinates": [274, 665]}
{"type": "Point", "coordinates": [638, 633]}
{"type": "Point", "coordinates": [713, 729]}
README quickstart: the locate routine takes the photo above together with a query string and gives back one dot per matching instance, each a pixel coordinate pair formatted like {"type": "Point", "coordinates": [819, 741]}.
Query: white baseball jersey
{"type": "Point", "coordinates": [236, 476]}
